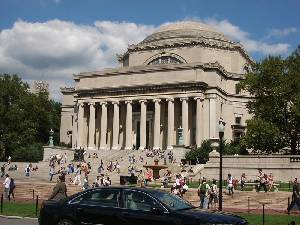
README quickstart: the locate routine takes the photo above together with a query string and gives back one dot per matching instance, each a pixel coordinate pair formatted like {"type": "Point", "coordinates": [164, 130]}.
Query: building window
{"type": "Point", "coordinates": [238, 120]}
{"type": "Point", "coordinates": [237, 89]}
{"type": "Point", "coordinates": [165, 60]}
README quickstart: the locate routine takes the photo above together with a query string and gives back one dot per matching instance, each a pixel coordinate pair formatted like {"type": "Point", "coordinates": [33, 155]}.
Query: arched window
{"type": "Point", "coordinates": [246, 69]}
{"type": "Point", "coordinates": [165, 60]}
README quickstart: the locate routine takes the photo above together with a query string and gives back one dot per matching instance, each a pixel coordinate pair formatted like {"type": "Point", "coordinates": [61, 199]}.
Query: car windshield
{"type": "Point", "coordinates": [173, 202]}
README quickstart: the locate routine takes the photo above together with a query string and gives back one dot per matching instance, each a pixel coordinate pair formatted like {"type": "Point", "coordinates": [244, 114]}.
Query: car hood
{"type": "Point", "coordinates": [205, 216]}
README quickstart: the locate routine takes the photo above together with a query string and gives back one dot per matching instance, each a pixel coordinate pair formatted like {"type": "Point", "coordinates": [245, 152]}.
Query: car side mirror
{"type": "Point", "coordinates": [157, 210]}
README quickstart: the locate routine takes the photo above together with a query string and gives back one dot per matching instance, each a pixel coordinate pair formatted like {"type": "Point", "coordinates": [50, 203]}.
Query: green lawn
{"type": "Point", "coordinates": [255, 219]}
{"type": "Point", "coordinates": [19, 209]}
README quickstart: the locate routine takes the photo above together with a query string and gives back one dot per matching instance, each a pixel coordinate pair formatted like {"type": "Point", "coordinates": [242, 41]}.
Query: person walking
{"type": "Point", "coordinates": [262, 181]}
{"type": "Point", "coordinates": [230, 184]}
{"type": "Point", "coordinates": [243, 181]}
{"type": "Point", "coordinates": [51, 172]}
{"type": "Point", "coordinates": [296, 190]}
{"type": "Point", "coordinates": [77, 176]}
{"type": "Point", "coordinates": [6, 186]}
{"type": "Point", "coordinates": [12, 187]}
{"type": "Point", "coordinates": [60, 190]}
{"type": "Point", "coordinates": [203, 193]}
{"type": "Point", "coordinates": [214, 194]}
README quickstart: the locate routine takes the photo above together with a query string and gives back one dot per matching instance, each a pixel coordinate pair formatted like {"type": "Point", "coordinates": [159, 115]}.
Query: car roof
{"type": "Point", "coordinates": [147, 190]}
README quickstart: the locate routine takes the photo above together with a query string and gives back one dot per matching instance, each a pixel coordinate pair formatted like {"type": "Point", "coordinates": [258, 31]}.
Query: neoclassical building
{"type": "Point", "coordinates": [184, 75]}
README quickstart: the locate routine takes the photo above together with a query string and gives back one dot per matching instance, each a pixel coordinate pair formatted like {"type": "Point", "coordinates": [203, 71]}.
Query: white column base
{"type": "Point", "coordinates": [115, 148]}
{"type": "Point", "coordinates": [141, 148]}
{"type": "Point", "coordinates": [128, 148]}
{"type": "Point", "coordinates": [91, 148]}
{"type": "Point", "coordinates": [170, 147]}
{"type": "Point", "coordinates": [103, 148]}
{"type": "Point", "coordinates": [156, 148]}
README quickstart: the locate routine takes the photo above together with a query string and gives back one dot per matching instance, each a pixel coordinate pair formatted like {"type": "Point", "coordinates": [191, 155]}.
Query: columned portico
{"type": "Point", "coordinates": [170, 123]}
{"type": "Point", "coordinates": [128, 134]}
{"type": "Point", "coordinates": [185, 119]}
{"type": "Point", "coordinates": [103, 125]}
{"type": "Point", "coordinates": [156, 124]}
{"type": "Point", "coordinates": [92, 123]}
{"type": "Point", "coordinates": [80, 125]}
{"type": "Point", "coordinates": [116, 125]}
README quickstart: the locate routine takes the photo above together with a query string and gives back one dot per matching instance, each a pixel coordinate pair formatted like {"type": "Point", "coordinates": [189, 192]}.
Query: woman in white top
{"type": "Point", "coordinates": [230, 184]}
{"type": "Point", "coordinates": [6, 185]}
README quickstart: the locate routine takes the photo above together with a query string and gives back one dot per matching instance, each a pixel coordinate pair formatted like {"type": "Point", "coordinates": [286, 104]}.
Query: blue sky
{"type": "Point", "coordinates": [53, 39]}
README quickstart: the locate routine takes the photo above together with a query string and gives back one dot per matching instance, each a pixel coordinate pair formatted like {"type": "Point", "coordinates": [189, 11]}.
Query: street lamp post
{"type": "Point", "coordinates": [221, 135]}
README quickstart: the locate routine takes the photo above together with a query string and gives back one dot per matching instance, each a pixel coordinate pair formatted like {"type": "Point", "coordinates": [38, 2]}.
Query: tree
{"type": "Point", "coordinates": [200, 154]}
{"type": "Point", "coordinates": [25, 118]}
{"type": "Point", "coordinates": [274, 84]}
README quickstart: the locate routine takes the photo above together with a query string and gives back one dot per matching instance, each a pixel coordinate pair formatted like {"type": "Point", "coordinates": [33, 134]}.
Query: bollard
{"type": "Point", "coordinates": [33, 194]}
{"type": "Point", "coordinates": [36, 205]}
{"type": "Point", "coordinates": [248, 204]}
{"type": "Point", "coordinates": [1, 208]}
{"type": "Point", "coordinates": [289, 185]}
{"type": "Point", "coordinates": [288, 208]}
{"type": "Point", "coordinates": [263, 213]}
{"type": "Point", "coordinates": [199, 182]}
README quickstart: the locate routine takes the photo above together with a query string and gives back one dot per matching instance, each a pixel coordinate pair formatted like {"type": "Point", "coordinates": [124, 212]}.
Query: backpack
{"type": "Point", "coordinates": [202, 189]}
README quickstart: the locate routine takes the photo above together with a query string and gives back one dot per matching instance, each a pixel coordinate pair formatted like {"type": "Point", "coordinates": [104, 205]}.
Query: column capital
{"type": "Point", "coordinates": [184, 99]}
{"type": "Point", "coordinates": [91, 103]}
{"type": "Point", "coordinates": [128, 101]}
{"type": "Point", "coordinates": [143, 101]}
{"type": "Point", "coordinates": [103, 103]}
{"type": "Point", "coordinates": [170, 99]}
{"type": "Point", "coordinates": [115, 102]}
{"type": "Point", "coordinates": [201, 97]}
{"type": "Point", "coordinates": [81, 104]}
{"type": "Point", "coordinates": [156, 100]}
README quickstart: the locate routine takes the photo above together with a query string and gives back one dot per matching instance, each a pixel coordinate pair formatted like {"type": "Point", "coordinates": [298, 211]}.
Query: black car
{"type": "Point", "coordinates": [130, 206]}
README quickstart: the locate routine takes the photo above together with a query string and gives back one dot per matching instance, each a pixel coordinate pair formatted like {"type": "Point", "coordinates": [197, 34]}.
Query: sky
{"type": "Point", "coordinates": [53, 39]}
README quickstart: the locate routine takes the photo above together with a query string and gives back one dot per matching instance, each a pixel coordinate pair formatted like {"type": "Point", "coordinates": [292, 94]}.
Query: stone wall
{"type": "Point", "coordinates": [283, 167]}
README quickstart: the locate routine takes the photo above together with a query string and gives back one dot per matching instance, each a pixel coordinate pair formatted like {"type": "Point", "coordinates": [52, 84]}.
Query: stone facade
{"type": "Point", "coordinates": [183, 75]}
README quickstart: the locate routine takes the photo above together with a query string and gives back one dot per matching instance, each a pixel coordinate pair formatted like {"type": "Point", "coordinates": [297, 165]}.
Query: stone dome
{"type": "Point", "coordinates": [183, 31]}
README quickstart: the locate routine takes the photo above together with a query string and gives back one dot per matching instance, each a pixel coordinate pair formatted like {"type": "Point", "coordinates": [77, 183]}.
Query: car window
{"type": "Point", "coordinates": [138, 201]}
{"type": "Point", "coordinates": [104, 197]}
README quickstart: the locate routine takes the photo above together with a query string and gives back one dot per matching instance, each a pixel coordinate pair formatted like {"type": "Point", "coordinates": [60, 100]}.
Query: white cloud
{"type": "Point", "coordinates": [245, 39]}
{"type": "Point", "coordinates": [282, 32]}
{"type": "Point", "coordinates": [56, 49]}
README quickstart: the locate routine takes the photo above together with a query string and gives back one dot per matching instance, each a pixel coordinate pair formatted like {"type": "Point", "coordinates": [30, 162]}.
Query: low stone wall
{"type": "Point", "coordinates": [283, 167]}
{"type": "Point", "coordinates": [50, 151]}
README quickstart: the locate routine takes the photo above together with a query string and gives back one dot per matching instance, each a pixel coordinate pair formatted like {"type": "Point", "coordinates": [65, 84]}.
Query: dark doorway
{"type": "Point", "coordinates": [147, 134]}
{"type": "Point", "coordinates": [138, 135]}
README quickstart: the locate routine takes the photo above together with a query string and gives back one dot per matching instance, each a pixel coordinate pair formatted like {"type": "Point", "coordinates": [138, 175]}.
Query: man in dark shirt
{"type": "Point", "coordinates": [295, 190]}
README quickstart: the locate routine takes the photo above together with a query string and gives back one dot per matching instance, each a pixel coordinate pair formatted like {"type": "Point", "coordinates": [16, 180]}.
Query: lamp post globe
{"type": "Point", "coordinates": [221, 127]}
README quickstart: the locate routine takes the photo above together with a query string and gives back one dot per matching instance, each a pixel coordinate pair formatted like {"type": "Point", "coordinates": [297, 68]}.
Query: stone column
{"type": "Point", "coordinates": [143, 124]}
{"type": "Point", "coordinates": [92, 124]}
{"type": "Point", "coordinates": [212, 119]}
{"type": "Point", "coordinates": [156, 124]}
{"type": "Point", "coordinates": [103, 125]}
{"type": "Point", "coordinates": [170, 123]}
{"type": "Point", "coordinates": [80, 125]}
{"type": "Point", "coordinates": [116, 126]}
{"type": "Point", "coordinates": [74, 128]}
{"type": "Point", "coordinates": [128, 134]}
{"type": "Point", "coordinates": [185, 119]}
{"type": "Point", "coordinates": [199, 114]}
